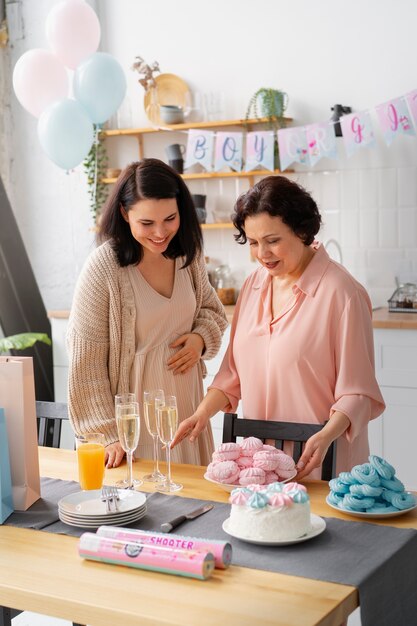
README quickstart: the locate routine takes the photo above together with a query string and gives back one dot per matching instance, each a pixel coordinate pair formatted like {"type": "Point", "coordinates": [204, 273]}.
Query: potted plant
{"type": "Point", "coordinates": [270, 104]}
{"type": "Point", "coordinates": [23, 341]}
{"type": "Point", "coordinates": [95, 165]}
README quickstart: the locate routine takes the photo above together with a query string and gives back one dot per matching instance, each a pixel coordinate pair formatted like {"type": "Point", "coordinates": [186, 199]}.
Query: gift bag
{"type": "Point", "coordinates": [17, 397]}
{"type": "Point", "coordinates": [6, 501]}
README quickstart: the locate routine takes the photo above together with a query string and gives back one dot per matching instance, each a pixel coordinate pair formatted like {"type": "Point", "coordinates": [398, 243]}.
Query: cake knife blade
{"type": "Point", "coordinates": [166, 527]}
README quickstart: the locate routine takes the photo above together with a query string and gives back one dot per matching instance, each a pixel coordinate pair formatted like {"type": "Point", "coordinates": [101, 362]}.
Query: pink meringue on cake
{"type": "Point", "coordinates": [224, 472]}
{"type": "Point", "coordinates": [250, 445]}
{"type": "Point", "coordinates": [252, 476]}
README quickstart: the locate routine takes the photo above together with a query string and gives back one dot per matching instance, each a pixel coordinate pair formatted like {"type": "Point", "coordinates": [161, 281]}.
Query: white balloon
{"type": "Point", "coordinates": [39, 79]}
{"type": "Point", "coordinates": [72, 31]}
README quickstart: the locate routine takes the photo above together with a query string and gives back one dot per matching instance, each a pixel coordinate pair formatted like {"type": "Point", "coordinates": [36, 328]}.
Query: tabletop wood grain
{"type": "Point", "coordinates": [42, 572]}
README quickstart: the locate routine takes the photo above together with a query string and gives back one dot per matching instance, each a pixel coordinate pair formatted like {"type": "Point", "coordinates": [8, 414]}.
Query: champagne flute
{"type": "Point", "coordinates": [151, 400]}
{"type": "Point", "coordinates": [167, 424]}
{"type": "Point", "coordinates": [124, 398]}
{"type": "Point", "coordinates": [128, 428]}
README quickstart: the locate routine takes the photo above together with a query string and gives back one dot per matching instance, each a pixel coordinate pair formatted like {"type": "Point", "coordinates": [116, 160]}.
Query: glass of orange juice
{"type": "Point", "coordinates": [90, 455]}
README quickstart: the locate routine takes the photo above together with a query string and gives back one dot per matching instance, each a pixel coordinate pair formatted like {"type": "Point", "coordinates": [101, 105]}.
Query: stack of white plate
{"type": "Point", "coordinates": [86, 509]}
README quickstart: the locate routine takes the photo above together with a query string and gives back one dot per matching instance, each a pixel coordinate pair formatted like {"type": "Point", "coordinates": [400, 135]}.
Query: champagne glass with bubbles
{"type": "Point", "coordinates": [167, 424]}
{"type": "Point", "coordinates": [151, 400]}
{"type": "Point", "coordinates": [128, 428]}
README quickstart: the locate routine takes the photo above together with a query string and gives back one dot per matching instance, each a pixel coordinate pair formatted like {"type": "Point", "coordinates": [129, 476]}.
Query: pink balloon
{"type": "Point", "coordinates": [39, 79]}
{"type": "Point", "coordinates": [73, 31]}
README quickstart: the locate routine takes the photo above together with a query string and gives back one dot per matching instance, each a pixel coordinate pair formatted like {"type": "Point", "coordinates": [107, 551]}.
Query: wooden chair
{"type": "Point", "coordinates": [49, 417]}
{"type": "Point", "coordinates": [234, 426]}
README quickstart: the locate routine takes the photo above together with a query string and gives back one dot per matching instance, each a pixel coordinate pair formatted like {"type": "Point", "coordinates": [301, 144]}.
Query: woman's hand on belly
{"type": "Point", "coordinates": [189, 354]}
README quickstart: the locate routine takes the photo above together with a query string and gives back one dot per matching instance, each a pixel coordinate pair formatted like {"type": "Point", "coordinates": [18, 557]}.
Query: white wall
{"type": "Point", "coordinates": [321, 53]}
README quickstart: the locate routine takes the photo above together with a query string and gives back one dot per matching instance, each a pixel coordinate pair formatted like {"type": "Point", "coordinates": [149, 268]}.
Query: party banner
{"type": "Point", "coordinates": [200, 148]}
{"type": "Point", "coordinates": [321, 141]}
{"type": "Point", "coordinates": [293, 146]}
{"type": "Point", "coordinates": [411, 99]}
{"type": "Point", "coordinates": [393, 119]}
{"type": "Point", "coordinates": [228, 152]}
{"type": "Point", "coordinates": [357, 131]}
{"type": "Point", "coordinates": [260, 150]}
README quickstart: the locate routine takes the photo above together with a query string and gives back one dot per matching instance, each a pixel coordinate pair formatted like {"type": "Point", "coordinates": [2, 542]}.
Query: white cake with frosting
{"type": "Point", "coordinates": [275, 512]}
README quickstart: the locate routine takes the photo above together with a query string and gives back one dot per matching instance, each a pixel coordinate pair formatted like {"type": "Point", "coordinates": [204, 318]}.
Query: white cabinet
{"type": "Point", "coordinates": [60, 357]}
{"type": "Point", "coordinates": [394, 434]}
{"type": "Point", "coordinates": [59, 325]}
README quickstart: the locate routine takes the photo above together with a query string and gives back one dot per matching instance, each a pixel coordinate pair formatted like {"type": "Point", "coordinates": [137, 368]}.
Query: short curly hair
{"type": "Point", "coordinates": [279, 197]}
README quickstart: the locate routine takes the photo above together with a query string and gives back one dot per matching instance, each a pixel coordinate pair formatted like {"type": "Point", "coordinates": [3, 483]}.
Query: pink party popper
{"type": "Point", "coordinates": [222, 550]}
{"type": "Point", "coordinates": [190, 563]}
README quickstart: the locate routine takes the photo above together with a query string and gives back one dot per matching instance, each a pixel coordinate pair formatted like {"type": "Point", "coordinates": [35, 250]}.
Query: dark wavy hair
{"type": "Point", "coordinates": [150, 179]}
{"type": "Point", "coordinates": [279, 197]}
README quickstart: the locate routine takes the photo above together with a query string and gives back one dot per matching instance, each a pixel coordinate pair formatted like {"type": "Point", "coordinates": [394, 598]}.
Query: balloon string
{"type": "Point", "coordinates": [96, 131]}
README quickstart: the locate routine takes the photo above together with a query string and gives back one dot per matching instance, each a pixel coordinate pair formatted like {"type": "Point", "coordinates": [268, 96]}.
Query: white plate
{"type": "Point", "coordinates": [110, 517]}
{"type": "Point", "coordinates": [371, 515]}
{"type": "Point", "coordinates": [230, 488]}
{"type": "Point", "coordinates": [317, 526]}
{"type": "Point", "coordinates": [128, 519]}
{"type": "Point", "coordinates": [89, 503]}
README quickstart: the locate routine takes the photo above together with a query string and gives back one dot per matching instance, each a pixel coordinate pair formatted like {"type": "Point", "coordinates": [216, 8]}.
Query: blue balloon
{"type": "Point", "coordinates": [100, 86]}
{"type": "Point", "coordinates": [66, 133]}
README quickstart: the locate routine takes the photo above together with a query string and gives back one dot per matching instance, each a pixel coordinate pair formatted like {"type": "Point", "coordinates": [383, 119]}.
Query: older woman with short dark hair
{"type": "Point", "coordinates": [301, 345]}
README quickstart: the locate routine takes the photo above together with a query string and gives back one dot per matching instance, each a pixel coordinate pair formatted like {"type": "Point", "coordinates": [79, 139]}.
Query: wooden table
{"type": "Point", "coordinates": [42, 572]}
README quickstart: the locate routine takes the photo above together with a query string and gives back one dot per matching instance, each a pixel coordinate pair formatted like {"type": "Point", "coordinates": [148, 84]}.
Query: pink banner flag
{"type": "Point", "coordinates": [394, 119]}
{"type": "Point", "coordinates": [412, 105]}
{"type": "Point", "coordinates": [293, 147]}
{"type": "Point", "coordinates": [357, 131]}
{"type": "Point", "coordinates": [321, 141]}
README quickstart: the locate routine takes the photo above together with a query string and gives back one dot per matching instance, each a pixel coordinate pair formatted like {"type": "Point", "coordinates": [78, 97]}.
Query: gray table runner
{"type": "Point", "coordinates": [381, 561]}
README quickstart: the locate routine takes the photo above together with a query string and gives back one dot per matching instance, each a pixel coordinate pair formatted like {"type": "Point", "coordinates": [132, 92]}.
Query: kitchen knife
{"type": "Point", "coordinates": [168, 526]}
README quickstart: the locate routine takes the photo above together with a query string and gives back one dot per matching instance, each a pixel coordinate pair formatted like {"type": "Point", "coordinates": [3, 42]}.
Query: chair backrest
{"type": "Point", "coordinates": [49, 417]}
{"type": "Point", "coordinates": [234, 426]}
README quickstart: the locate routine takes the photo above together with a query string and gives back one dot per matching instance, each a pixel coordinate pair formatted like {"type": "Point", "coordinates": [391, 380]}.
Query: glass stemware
{"type": "Point", "coordinates": [167, 424]}
{"type": "Point", "coordinates": [151, 400]}
{"type": "Point", "coordinates": [128, 428]}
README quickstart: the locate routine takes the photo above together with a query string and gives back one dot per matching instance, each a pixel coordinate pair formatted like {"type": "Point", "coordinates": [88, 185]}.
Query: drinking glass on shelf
{"type": "Point", "coordinates": [167, 424]}
{"type": "Point", "coordinates": [128, 428]}
{"type": "Point", "coordinates": [151, 400]}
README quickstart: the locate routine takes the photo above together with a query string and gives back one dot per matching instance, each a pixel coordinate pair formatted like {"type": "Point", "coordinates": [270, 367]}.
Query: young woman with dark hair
{"type": "Point", "coordinates": [301, 343]}
{"type": "Point", "coordinates": [144, 314]}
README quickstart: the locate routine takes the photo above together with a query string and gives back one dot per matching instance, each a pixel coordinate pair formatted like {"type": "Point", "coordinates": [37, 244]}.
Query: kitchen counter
{"type": "Point", "coordinates": [381, 318]}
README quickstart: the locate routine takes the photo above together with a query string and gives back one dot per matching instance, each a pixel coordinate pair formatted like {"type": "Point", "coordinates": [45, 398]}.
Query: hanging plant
{"type": "Point", "coordinates": [95, 165]}
{"type": "Point", "coordinates": [270, 104]}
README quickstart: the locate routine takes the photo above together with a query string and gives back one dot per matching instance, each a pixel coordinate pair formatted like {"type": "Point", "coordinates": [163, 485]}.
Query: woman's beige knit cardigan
{"type": "Point", "coordinates": [101, 337]}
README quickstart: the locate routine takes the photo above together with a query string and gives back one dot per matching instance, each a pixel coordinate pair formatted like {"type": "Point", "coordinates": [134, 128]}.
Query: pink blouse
{"type": "Point", "coordinates": [316, 357]}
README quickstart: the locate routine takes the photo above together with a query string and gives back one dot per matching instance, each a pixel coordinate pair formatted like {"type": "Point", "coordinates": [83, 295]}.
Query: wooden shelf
{"type": "Point", "coordinates": [126, 132]}
{"type": "Point", "coordinates": [206, 175]}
